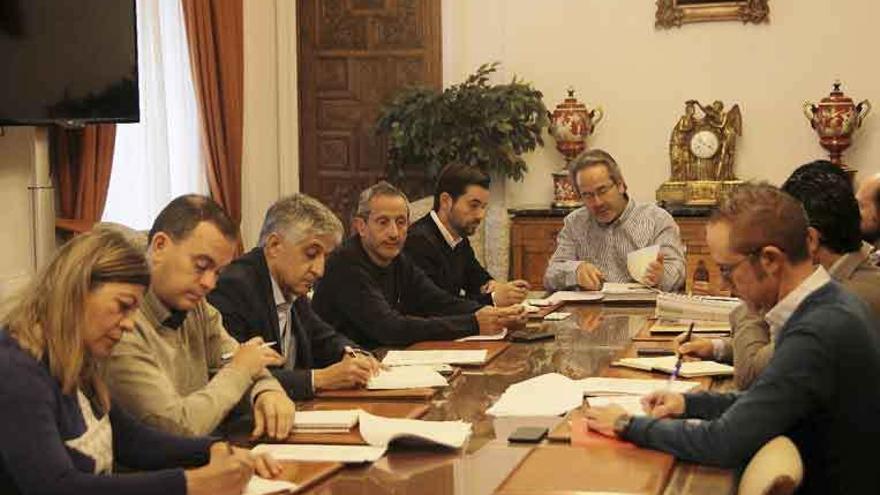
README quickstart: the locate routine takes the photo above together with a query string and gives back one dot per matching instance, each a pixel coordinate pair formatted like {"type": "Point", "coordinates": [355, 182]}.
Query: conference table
{"type": "Point", "coordinates": [585, 344]}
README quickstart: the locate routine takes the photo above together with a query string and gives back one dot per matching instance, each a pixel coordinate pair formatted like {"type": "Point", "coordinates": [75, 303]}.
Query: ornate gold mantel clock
{"type": "Point", "coordinates": [702, 153]}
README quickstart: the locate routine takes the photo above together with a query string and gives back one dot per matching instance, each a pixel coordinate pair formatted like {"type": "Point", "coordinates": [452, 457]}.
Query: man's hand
{"type": "Point", "coordinates": [492, 320]}
{"type": "Point", "coordinates": [252, 358]}
{"type": "Point", "coordinates": [654, 273]}
{"type": "Point", "coordinates": [663, 404]}
{"type": "Point", "coordinates": [273, 415]}
{"type": "Point", "coordinates": [351, 372]}
{"type": "Point", "coordinates": [602, 419]}
{"type": "Point", "coordinates": [510, 293]}
{"type": "Point", "coordinates": [589, 277]}
{"type": "Point", "coordinates": [698, 348]}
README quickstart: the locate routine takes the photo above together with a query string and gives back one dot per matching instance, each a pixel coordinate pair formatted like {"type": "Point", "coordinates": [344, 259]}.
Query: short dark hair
{"type": "Point", "coordinates": [455, 178]}
{"type": "Point", "coordinates": [762, 215]}
{"type": "Point", "coordinates": [827, 196]}
{"type": "Point", "coordinates": [184, 213]}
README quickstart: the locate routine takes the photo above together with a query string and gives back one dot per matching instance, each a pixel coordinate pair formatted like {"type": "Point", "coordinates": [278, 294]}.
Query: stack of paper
{"type": "Point", "coordinates": [628, 292]}
{"type": "Point", "coordinates": [631, 404]}
{"type": "Point", "coordinates": [325, 421]}
{"type": "Point", "coordinates": [402, 377]}
{"type": "Point", "coordinates": [666, 364]}
{"type": "Point", "coordinates": [410, 358]}
{"type": "Point", "coordinates": [599, 386]}
{"type": "Point", "coordinates": [321, 453]}
{"type": "Point", "coordinates": [262, 486]}
{"type": "Point", "coordinates": [379, 431]}
{"type": "Point", "coordinates": [550, 394]}
{"type": "Point", "coordinates": [572, 296]}
{"type": "Point", "coordinates": [706, 308]}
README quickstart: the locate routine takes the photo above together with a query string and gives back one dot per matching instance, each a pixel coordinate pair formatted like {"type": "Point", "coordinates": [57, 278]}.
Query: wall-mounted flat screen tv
{"type": "Point", "coordinates": [68, 62]}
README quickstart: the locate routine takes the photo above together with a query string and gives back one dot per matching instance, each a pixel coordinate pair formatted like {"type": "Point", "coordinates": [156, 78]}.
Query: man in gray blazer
{"type": "Point", "coordinates": [828, 199]}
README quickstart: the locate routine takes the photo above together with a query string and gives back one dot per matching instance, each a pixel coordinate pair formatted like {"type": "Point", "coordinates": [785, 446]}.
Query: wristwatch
{"type": "Point", "coordinates": [622, 423]}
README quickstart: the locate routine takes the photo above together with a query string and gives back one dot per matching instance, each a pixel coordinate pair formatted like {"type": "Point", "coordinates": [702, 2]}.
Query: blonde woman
{"type": "Point", "coordinates": [59, 433]}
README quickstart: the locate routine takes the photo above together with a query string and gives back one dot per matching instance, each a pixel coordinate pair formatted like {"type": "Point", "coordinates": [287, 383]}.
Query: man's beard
{"type": "Point", "coordinates": [465, 230]}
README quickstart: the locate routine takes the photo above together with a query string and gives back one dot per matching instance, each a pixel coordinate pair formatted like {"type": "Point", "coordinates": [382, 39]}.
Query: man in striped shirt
{"type": "Point", "coordinates": [596, 238]}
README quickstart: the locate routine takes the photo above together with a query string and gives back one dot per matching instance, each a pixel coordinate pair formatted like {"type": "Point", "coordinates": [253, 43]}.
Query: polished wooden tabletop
{"type": "Point", "coordinates": [584, 345]}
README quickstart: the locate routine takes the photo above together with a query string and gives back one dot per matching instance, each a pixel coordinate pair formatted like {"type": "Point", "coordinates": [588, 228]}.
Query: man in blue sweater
{"type": "Point", "coordinates": [820, 387]}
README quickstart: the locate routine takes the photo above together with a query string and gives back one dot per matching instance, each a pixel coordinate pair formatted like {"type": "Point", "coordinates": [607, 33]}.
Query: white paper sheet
{"type": "Point", "coordinates": [380, 431]}
{"type": "Point", "coordinates": [262, 486]}
{"type": "Point", "coordinates": [631, 404]}
{"type": "Point", "coordinates": [631, 386]}
{"type": "Point", "coordinates": [550, 394]}
{"type": "Point", "coordinates": [342, 419]}
{"type": "Point", "coordinates": [478, 338]}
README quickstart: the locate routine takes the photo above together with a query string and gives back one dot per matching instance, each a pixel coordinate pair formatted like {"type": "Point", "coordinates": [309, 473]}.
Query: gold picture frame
{"type": "Point", "coordinates": [674, 13]}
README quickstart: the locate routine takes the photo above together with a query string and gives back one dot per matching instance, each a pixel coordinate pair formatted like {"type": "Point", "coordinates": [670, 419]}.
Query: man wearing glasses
{"type": "Point", "coordinates": [595, 240]}
{"type": "Point", "coordinates": [827, 196]}
{"type": "Point", "coordinates": [819, 388]}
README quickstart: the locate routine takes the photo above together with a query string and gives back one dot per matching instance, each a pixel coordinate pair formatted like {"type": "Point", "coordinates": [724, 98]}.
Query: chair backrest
{"type": "Point", "coordinates": [776, 469]}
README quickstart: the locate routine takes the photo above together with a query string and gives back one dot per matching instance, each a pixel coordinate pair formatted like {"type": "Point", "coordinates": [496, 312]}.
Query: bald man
{"type": "Point", "coordinates": [868, 196]}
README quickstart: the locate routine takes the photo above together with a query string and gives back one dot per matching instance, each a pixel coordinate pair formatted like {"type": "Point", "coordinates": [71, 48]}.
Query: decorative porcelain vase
{"type": "Point", "coordinates": [570, 124]}
{"type": "Point", "coordinates": [835, 119]}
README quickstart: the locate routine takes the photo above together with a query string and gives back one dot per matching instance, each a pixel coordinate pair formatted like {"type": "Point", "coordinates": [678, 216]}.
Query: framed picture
{"type": "Point", "coordinates": [674, 13]}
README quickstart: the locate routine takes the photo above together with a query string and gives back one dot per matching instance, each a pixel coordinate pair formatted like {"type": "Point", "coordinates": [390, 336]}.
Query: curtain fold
{"type": "Point", "coordinates": [216, 46]}
{"type": "Point", "coordinates": [82, 161]}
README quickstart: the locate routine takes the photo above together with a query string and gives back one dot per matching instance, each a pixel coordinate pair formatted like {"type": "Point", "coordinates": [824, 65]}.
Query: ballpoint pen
{"type": "Point", "coordinates": [353, 352]}
{"type": "Point", "coordinates": [228, 355]}
{"type": "Point", "coordinates": [677, 368]}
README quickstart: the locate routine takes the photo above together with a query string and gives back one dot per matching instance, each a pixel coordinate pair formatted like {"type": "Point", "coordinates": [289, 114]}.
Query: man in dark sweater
{"type": "Point", "coordinates": [438, 242]}
{"type": "Point", "coordinates": [264, 294]}
{"type": "Point", "coordinates": [376, 296]}
{"type": "Point", "coordinates": [819, 388]}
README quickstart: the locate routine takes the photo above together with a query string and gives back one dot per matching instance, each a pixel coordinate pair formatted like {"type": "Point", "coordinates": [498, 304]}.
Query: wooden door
{"type": "Point", "coordinates": [353, 55]}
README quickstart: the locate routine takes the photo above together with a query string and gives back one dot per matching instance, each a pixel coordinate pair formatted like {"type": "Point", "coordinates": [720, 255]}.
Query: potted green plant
{"type": "Point", "coordinates": [474, 122]}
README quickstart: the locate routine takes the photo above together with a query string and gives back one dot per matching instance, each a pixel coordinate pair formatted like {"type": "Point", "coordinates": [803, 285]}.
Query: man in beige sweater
{"type": "Point", "coordinates": [179, 370]}
{"type": "Point", "coordinates": [828, 199]}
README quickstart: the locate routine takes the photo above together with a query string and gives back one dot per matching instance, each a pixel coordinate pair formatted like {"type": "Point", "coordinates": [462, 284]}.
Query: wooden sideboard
{"type": "Point", "coordinates": [533, 233]}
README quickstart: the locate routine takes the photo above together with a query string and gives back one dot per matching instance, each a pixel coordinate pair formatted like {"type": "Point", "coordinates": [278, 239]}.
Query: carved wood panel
{"type": "Point", "coordinates": [353, 56]}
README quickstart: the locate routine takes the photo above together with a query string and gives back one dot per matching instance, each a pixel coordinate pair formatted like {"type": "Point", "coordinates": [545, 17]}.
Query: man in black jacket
{"type": "Point", "coordinates": [375, 295]}
{"type": "Point", "coordinates": [264, 294]}
{"type": "Point", "coordinates": [438, 242]}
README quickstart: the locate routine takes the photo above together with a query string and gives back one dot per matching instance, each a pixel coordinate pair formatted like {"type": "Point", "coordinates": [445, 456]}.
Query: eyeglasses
{"type": "Point", "coordinates": [728, 269]}
{"type": "Point", "coordinates": [598, 193]}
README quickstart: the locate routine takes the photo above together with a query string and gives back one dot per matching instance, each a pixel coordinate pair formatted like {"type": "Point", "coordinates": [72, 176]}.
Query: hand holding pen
{"type": "Point", "coordinates": [355, 369]}
{"type": "Point", "coordinates": [678, 361]}
{"type": "Point", "coordinates": [253, 356]}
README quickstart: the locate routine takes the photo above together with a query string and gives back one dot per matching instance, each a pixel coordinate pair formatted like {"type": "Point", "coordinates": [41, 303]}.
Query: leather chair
{"type": "Point", "coordinates": [776, 469]}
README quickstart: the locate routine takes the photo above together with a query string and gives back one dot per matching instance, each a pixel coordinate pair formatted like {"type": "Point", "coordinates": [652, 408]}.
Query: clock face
{"type": "Point", "coordinates": [704, 144]}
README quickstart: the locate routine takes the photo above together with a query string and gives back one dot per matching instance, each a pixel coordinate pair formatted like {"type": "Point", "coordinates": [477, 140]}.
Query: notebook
{"type": "Point", "coordinates": [676, 326]}
{"type": "Point", "coordinates": [409, 358]}
{"type": "Point", "coordinates": [666, 364]}
{"type": "Point", "coordinates": [403, 377]}
{"type": "Point", "coordinates": [704, 308]}
{"type": "Point", "coordinates": [321, 453]}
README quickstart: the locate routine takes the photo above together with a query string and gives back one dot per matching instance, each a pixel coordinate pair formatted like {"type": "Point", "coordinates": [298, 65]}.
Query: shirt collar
{"type": "Point", "coordinates": [779, 314]}
{"type": "Point", "coordinates": [847, 264]}
{"type": "Point", "coordinates": [277, 294]}
{"type": "Point", "coordinates": [445, 232]}
{"type": "Point", "coordinates": [158, 314]}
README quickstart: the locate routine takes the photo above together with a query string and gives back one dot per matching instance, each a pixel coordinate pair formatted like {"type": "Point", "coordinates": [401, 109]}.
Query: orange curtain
{"type": "Point", "coordinates": [216, 46]}
{"type": "Point", "coordinates": [82, 161]}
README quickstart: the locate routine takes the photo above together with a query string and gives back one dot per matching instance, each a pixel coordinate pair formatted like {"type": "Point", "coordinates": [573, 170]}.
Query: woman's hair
{"type": "Point", "coordinates": [47, 318]}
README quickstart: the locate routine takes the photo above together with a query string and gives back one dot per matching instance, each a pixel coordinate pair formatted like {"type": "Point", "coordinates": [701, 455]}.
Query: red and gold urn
{"type": "Point", "coordinates": [570, 124]}
{"type": "Point", "coordinates": [835, 119]}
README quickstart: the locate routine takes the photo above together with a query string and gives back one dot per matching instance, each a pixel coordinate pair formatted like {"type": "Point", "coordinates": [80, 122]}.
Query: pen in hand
{"type": "Point", "coordinates": [228, 355]}
{"type": "Point", "coordinates": [677, 368]}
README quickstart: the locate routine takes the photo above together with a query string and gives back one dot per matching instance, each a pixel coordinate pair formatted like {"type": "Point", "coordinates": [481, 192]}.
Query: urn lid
{"type": "Point", "coordinates": [570, 104]}
{"type": "Point", "coordinates": [836, 97]}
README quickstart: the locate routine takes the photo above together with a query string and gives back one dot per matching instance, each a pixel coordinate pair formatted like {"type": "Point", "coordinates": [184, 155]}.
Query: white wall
{"type": "Point", "coordinates": [610, 52]}
{"type": "Point", "coordinates": [16, 162]}
{"type": "Point", "coordinates": [270, 162]}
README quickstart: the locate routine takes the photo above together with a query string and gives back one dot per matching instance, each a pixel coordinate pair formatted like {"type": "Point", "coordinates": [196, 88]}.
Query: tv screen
{"type": "Point", "coordinates": [68, 62]}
